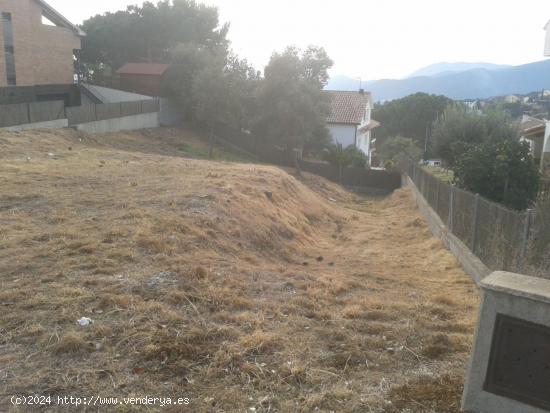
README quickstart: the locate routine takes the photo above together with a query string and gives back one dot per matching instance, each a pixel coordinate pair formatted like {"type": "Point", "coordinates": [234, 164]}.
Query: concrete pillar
{"type": "Point", "coordinates": [545, 157]}
{"type": "Point", "coordinates": [509, 366]}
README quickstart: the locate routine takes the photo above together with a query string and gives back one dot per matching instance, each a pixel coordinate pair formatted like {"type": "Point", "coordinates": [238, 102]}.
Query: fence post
{"type": "Point", "coordinates": [526, 234]}
{"type": "Point", "coordinates": [28, 112]}
{"type": "Point", "coordinates": [438, 182]}
{"type": "Point", "coordinates": [475, 223]}
{"type": "Point", "coordinates": [451, 209]}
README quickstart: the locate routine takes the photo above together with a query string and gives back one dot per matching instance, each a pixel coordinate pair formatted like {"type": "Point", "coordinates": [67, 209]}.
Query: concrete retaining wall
{"type": "Point", "coordinates": [143, 121]}
{"type": "Point", "coordinates": [469, 262]}
{"type": "Point", "coordinates": [52, 124]}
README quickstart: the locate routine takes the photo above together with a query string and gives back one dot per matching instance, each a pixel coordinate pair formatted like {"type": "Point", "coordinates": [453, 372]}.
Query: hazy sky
{"type": "Point", "coordinates": [373, 39]}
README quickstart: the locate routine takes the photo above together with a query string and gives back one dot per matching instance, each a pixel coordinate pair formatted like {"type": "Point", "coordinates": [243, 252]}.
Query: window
{"type": "Point", "coordinates": [47, 22]}
{"type": "Point", "coordinates": [9, 51]}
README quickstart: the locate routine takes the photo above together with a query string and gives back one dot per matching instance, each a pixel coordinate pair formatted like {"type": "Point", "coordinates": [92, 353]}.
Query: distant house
{"type": "Point", "coordinates": [41, 50]}
{"type": "Point", "coordinates": [511, 99]}
{"type": "Point", "coordinates": [349, 121]}
{"type": "Point", "coordinates": [537, 133]}
{"type": "Point", "coordinates": [433, 162]}
{"type": "Point", "coordinates": [142, 78]}
{"type": "Point", "coordinates": [547, 44]}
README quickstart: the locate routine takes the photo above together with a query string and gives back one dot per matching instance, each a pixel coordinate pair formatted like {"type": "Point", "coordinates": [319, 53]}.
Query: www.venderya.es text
{"type": "Point", "coordinates": [97, 401]}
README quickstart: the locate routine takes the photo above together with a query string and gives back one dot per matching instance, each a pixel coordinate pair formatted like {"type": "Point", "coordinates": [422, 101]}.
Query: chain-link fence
{"type": "Point", "coordinates": [504, 239]}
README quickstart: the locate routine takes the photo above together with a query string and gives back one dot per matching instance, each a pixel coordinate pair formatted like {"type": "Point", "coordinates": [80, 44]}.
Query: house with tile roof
{"type": "Point", "coordinates": [349, 120]}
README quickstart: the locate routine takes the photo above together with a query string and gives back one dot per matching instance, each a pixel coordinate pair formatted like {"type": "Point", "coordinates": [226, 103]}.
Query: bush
{"type": "Point", "coordinates": [389, 165]}
{"type": "Point", "coordinates": [337, 156]}
{"type": "Point", "coordinates": [357, 157]}
{"type": "Point", "coordinates": [398, 149]}
{"type": "Point", "coordinates": [502, 171]}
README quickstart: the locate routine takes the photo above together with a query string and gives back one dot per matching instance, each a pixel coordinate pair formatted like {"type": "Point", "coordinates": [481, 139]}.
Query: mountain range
{"type": "Point", "coordinates": [456, 81]}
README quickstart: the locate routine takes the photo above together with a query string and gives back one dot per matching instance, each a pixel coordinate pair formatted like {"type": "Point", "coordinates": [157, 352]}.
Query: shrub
{"type": "Point", "coordinates": [503, 171]}
{"type": "Point", "coordinates": [398, 149]}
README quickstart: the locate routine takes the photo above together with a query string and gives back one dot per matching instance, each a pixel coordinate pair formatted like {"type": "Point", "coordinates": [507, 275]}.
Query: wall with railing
{"type": "Point", "coordinates": [108, 117]}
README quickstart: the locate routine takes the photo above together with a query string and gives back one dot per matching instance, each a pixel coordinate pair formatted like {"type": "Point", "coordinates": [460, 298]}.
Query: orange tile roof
{"type": "Point", "coordinates": [347, 107]}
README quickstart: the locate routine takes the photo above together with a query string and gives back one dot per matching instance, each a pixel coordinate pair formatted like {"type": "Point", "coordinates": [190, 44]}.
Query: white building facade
{"type": "Point", "coordinates": [547, 44]}
{"type": "Point", "coordinates": [350, 121]}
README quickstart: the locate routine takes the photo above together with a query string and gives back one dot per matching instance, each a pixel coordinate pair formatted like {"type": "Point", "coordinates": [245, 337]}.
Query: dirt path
{"type": "Point", "coordinates": [199, 285]}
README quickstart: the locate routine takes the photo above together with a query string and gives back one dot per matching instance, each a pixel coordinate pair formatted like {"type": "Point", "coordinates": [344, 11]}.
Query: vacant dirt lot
{"type": "Point", "coordinates": [201, 285]}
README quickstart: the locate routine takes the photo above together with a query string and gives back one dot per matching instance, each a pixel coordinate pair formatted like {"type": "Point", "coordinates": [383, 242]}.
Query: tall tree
{"type": "Point", "coordinates": [223, 96]}
{"type": "Point", "coordinates": [458, 128]}
{"type": "Point", "coordinates": [410, 117]}
{"type": "Point", "coordinates": [291, 106]}
{"type": "Point", "coordinates": [211, 86]}
{"type": "Point", "coordinates": [148, 33]}
{"type": "Point", "coordinates": [398, 149]}
{"type": "Point", "coordinates": [189, 60]}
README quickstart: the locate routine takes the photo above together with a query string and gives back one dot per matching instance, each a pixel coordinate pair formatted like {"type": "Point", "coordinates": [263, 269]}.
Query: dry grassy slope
{"type": "Point", "coordinates": [200, 286]}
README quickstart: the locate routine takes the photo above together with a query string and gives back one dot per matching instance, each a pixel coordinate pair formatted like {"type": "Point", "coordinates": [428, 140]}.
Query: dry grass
{"type": "Point", "coordinates": [200, 286]}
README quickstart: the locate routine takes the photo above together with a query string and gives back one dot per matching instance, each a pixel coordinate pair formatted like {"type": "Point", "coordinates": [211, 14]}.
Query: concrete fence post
{"type": "Point", "coordinates": [508, 368]}
{"type": "Point", "coordinates": [475, 222]}
{"type": "Point", "coordinates": [526, 235]}
{"type": "Point", "coordinates": [28, 106]}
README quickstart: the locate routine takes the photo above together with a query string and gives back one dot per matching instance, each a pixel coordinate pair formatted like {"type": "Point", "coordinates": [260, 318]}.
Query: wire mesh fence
{"type": "Point", "coordinates": [538, 255]}
{"type": "Point", "coordinates": [502, 238]}
{"type": "Point", "coordinates": [462, 215]}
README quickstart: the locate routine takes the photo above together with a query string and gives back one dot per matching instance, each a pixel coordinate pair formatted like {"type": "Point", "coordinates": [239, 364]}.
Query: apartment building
{"type": "Point", "coordinates": [40, 53]}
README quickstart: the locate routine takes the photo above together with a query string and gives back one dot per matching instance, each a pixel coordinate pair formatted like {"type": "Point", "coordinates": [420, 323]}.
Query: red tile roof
{"type": "Point", "coordinates": [347, 107]}
{"type": "Point", "coordinates": [530, 125]}
{"type": "Point", "coordinates": [153, 69]}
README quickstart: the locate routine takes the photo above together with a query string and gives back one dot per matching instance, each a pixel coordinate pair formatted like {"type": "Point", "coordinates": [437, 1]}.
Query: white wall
{"type": "Point", "coordinates": [363, 143]}
{"type": "Point", "coordinates": [363, 140]}
{"type": "Point", "coordinates": [546, 145]}
{"type": "Point", "coordinates": [343, 134]}
{"type": "Point", "coordinates": [547, 46]}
